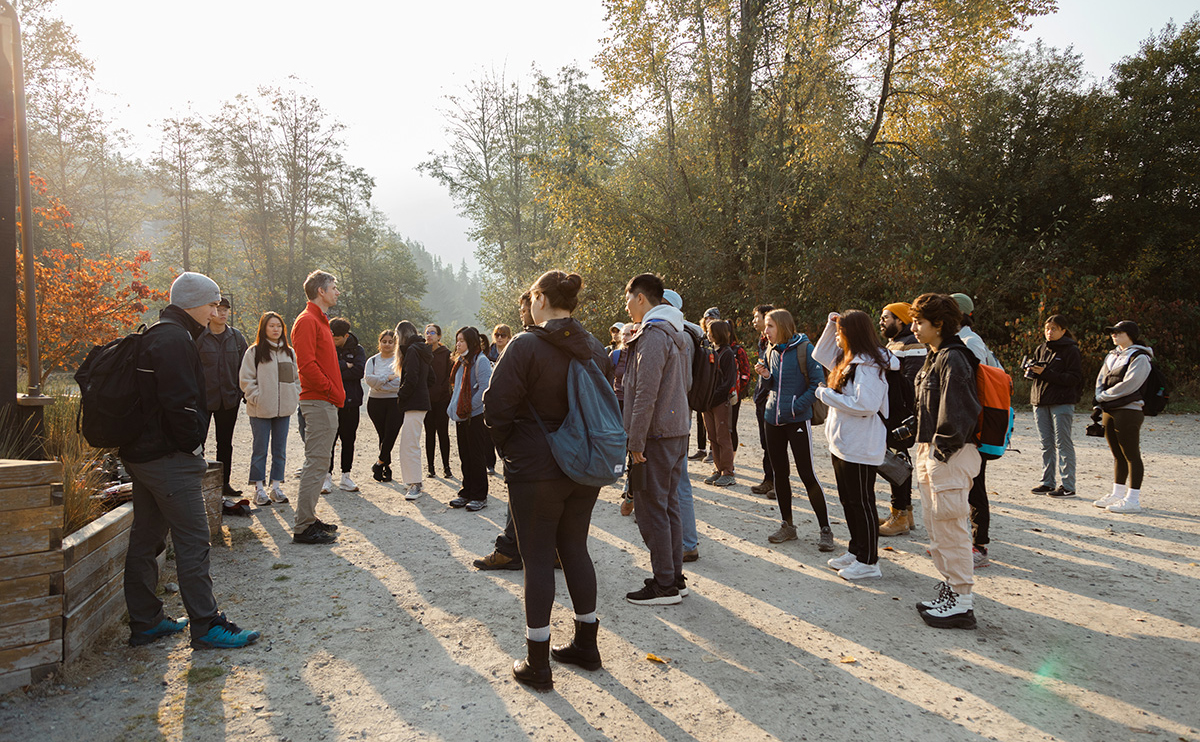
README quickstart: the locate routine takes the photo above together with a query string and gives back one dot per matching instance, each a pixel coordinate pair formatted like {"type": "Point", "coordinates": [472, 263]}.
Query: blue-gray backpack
{"type": "Point", "coordinates": [589, 446]}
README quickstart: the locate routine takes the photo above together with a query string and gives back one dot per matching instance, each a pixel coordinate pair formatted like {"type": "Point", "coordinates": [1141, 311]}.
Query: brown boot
{"type": "Point", "coordinates": [897, 524]}
{"type": "Point", "coordinates": [786, 532]}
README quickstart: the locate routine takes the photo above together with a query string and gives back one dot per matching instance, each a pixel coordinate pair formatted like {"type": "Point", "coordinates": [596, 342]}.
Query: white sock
{"type": "Point", "coordinates": [537, 635]}
{"type": "Point", "coordinates": [1132, 496]}
{"type": "Point", "coordinates": [258, 485]}
{"type": "Point", "coordinates": [1118, 490]}
{"type": "Point", "coordinates": [586, 617]}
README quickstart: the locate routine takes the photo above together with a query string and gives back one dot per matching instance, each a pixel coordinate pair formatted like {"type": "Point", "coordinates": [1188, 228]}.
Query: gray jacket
{"type": "Point", "coordinates": [656, 379]}
{"type": "Point", "coordinates": [222, 358]}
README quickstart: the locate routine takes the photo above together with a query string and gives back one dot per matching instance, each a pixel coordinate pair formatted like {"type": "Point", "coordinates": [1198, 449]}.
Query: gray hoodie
{"type": "Point", "coordinates": [656, 379]}
{"type": "Point", "coordinates": [1122, 375]}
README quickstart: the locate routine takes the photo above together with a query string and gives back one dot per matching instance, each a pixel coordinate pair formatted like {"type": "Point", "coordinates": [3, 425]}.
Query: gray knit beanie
{"type": "Point", "coordinates": [193, 290]}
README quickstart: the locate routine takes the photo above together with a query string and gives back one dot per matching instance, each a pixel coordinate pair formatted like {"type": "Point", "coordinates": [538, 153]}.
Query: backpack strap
{"type": "Point", "coordinates": [801, 361]}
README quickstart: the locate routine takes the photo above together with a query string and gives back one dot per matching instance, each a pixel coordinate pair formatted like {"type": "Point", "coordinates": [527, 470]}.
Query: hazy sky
{"type": "Point", "coordinates": [384, 68]}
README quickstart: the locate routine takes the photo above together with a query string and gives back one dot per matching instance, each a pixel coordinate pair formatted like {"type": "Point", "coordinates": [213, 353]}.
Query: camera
{"type": "Point", "coordinates": [905, 431]}
{"type": "Point", "coordinates": [1095, 430]}
{"type": "Point", "coordinates": [1026, 364]}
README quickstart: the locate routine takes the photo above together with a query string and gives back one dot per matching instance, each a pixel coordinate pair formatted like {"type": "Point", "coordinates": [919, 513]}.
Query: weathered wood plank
{"type": "Point", "coordinates": [31, 519]}
{"type": "Point", "coordinates": [78, 545]}
{"type": "Point", "coordinates": [32, 655]}
{"type": "Point", "coordinates": [100, 610]}
{"type": "Point", "coordinates": [27, 565]}
{"type": "Point", "coordinates": [21, 498]}
{"type": "Point", "coordinates": [27, 542]}
{"type": "Point", "coordinates": [14, 473]}
{"type": "Point", "coordinates": [85, 577]}
{"type": "Point", "coordinates": [31, 632]}
{"type": "Point", "coordinates": [31, 610]}
{"type": "Point", "coordinates": [24, 588]}
{"type": "Point", "coordinates": [11, 681]}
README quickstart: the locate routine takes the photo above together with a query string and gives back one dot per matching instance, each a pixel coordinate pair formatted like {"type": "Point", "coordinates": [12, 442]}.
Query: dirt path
{"type": "Point", "coordinates": [1088, 626]}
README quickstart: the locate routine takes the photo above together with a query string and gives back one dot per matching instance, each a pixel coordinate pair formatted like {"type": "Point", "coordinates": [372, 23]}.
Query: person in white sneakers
{"type": "Point", "coordinates": [272, 387]}
{"type": "Point", "coordinates": [857, 394]}
{"type": "Point", "coordinates": [945, 461]}
{"type": "Point", "coordinates": [1119, 400]}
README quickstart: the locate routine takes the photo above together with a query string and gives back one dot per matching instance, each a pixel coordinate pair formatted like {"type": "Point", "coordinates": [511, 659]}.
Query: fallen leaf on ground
{"type": "Point", "coordinates": [656, 658]}
{"type": "Point", "coordinates": [847, 660]}
{"type": "Point", "coordinates": [888, 548]}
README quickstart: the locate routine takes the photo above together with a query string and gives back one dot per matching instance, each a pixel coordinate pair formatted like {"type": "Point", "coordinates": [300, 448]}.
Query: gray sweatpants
{"type": "Point", "coordinates": [320, 428]}
{"type": "Point", "coordinates": [657, 507]}
{"type": "Point", "coordinates": [167, 497]}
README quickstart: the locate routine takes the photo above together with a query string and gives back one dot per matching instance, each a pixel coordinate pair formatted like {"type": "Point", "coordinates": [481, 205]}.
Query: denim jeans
{"type": "Point", "coordinates": [1054, 427]}
{"type": "Point", "coordinates": [272, 430]}
{"type": "Point", "coordinates": [687, 510]}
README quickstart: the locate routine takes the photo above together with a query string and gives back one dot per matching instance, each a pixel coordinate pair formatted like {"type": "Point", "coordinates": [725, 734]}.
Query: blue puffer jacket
{"type": "Point", "coordinates": [789, 400]}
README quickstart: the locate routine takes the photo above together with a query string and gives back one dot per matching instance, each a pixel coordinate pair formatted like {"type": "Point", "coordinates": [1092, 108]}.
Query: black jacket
{"type": "Point", "coordinates": [221, 356]}
{"type": "Point", "coordinates": [352, 361]}
{"type": "Point", "coordinates": [416, 376]}
{"type": "Point", "coordinates": [726, 375]}
{"type": "Point", "coordinates": [172, 379]}
{"type": "Point", "coordinates": [439, 384]}
{"type": "Point", "coordinates": [947, 401]}
{"type": "Point", "coordinates": [1061, 382]}
{"type": "Point", "coordinates": [533, 370]}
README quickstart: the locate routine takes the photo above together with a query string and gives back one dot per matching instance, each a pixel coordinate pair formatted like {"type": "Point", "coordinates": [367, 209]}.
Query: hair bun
{"type": "Point", "coordinates": [570, 284]}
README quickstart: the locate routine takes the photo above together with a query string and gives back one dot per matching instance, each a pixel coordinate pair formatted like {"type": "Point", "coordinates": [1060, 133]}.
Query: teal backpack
{"type": "Point", "coordinates": [589, 446]}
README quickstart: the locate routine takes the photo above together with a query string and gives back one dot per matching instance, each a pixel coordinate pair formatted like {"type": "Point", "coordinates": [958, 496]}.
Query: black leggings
{"type": "Point", "coordinates": [701, 434]}
{"type": "Point", "coordinates": [348, 432]}
{"type": "Point", "coordinates": [1123, 431]}
{"type": "Point", "coordinates": [733, 416]}
{"type": "Point", "coordinates": [981, 512]}
{"type": "Point", "coordinates": [387, 418]}
{"type": "Point", "coordinates": [856, 490]}
{"type": "Point", "coordinates": [779, 437]}
{"type": "Point", "coordinates": [551, 517]}
{"type": "Point", "coordinates": [226, 419]}
{"type": "Point", "coordinates": [437, 424]}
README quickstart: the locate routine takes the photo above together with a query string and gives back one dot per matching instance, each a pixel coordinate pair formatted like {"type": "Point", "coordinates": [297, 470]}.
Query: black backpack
{"type": "Point", "coordinates": [1155, 391]}
{"type": "Point", "coordinates": [704, 375]}
{"type": "Point", "coordinates": [111, 407]}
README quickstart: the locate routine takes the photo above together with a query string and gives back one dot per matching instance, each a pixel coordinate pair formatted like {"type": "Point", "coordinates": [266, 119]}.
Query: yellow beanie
{"type": "Point", "coordinates": [901, 310]}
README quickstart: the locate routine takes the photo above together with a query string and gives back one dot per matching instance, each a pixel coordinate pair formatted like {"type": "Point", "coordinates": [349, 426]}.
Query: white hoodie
{"type": "Point", "coordinates": [853, 428]}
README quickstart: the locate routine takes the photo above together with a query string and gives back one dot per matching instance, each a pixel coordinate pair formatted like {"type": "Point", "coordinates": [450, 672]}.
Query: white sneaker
{"type": "Point", "coordinates": [1104, 502]}
{"type": "Point", "coordinates": [346, 483]}
{"type": "Point", "coordinates": [260, 495]}
{"type": "Point", "coordinates": [860, 571]}
{"type": "Point", "coordinates": [327, 485]}
{"type": "Point", "coordinates": [413, 492]}
{"type": "Point", "coordinates": [845, 560]}
{"type": "Point", "coordinates": [277, 492]}
{"type": "Point", "coordinates": [1124, 506]}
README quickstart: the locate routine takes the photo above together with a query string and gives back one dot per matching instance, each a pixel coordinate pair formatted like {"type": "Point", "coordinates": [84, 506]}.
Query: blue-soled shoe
{"type": "Point", "coordinates": [225, 634]}
{"type": "Point", "coordinates": [165, 627]}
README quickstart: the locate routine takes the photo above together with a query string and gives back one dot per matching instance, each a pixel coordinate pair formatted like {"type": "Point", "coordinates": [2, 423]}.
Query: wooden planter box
{"type": "Point", "coordinates": [58, 594]}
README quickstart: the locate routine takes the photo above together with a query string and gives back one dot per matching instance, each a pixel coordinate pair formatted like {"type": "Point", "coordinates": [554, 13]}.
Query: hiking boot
{"type": "Point", "coordinates": [377, 472]}
{"type": "Point", "coordinates": [583, 650]}
{"type": "Point", "coordinates": [225, 634]}
{"type": "Point", "coordinates": [1062, 493]}
{"type": "Point", "coordinates": [826, 541]}
{"type": "Point", "coordinates": [786, 532]}
{"type": "Point", "coordinates": [897, 524]}
{"type": "Point", "coordinates": [653, 593]}
{"type": "Point", "coordinates": [534, 670]}
{"type": "Point", "coordinates": [712, 478]}
{"type": "Point", "coordinates": [979, 556]}
{"type": "Point", "coordinates": [845, 560]}
{"type": "Point", "coordinates": [346, 484]}
{"type": "Point", "coordinates": [1042, 489]}
{"type": "Point", "coordinates": [698, 456]}
{"type": "Point", "coordinates": [496, 560]}
{"type": "Point", "coordinates": [1125, 505]}
{"type": "Point", "coordinates": [474, 506]}
{"type": "Point", "coordinates": [327, 485]}
{"type": "Point", "coordinates": [314, 534]}
{"type": "Point", "coordinates": [944, 591]}
{"type": "Point", "coordinates": [165, 627]}
{"type": "Point", "coordinates": [860, 571]}
{"type": "Point", "coordinates": [955, 612]}
{"type": "Point", "coordinates": [767, 486]}
{"type": "Point", "coordinates": [691, 555]}
{"type": "Point", "coordinates": [627, 506]}
{"type": "Point", "coordinates": [260, 495]}
{"type": "Point", "coordinates": [725, 480]}
{"type": "Point", "coordinates": [413, 492]}
{"type": "Point", "coordinates": [458, 502]}
{"type": "Point", "coordinates": [327, 527]}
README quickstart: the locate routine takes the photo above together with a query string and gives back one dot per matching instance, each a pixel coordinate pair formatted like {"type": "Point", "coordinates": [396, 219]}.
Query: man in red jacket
{"type": "Point", "coordinates": [321, 394]}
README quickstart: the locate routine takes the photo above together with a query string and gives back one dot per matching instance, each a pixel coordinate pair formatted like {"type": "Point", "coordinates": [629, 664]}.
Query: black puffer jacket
{"type": "Point", "coordinates": [172, 379]}
{"type": "Point", "coordinates": [1061, 382]}
{"type": "Point", "coordinates": [439, 380]}
{"type": "Point", "coordinates": [352, 361]}
{"type": "Point", "coordinates": [416, 375]}
{"type": "Point", "coordinates": [533, 370]}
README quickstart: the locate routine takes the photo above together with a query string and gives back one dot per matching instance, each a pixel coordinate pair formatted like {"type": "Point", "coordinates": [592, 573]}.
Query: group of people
{"type": "Point", "coordinates": [504, 400]}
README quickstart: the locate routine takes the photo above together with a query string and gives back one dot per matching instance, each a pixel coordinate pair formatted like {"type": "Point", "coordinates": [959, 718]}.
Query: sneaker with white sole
{"type": "Point", "coordinates": [277, 492]}
{"type": "Point", "coordinates": [979, 556]}
{"type": "Point", "coordinates": [860, 571]}
{"type": "Point", "coordinates": [327, 485]}
{"type": "Point", "coordinates": [413, 492]}
{"type": "Point", "coordinates": [346, 484]}
{"type": "Point", "coordinates": [845, 560]}
{"type": "Point", "coordinates": [654, 594]}
{"type": "Point", "coordinates": [1124, 506]}
{"type": "Point", "coordinates": [1107, 500]}
{"type": "Point", "coordinates": [260, 495]}
{"type": "Point", "coordinates": [956, 612]}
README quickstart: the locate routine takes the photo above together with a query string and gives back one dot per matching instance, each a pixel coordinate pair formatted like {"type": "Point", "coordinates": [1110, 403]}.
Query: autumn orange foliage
{"type": "Point", "coordinates": [81, 300]}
